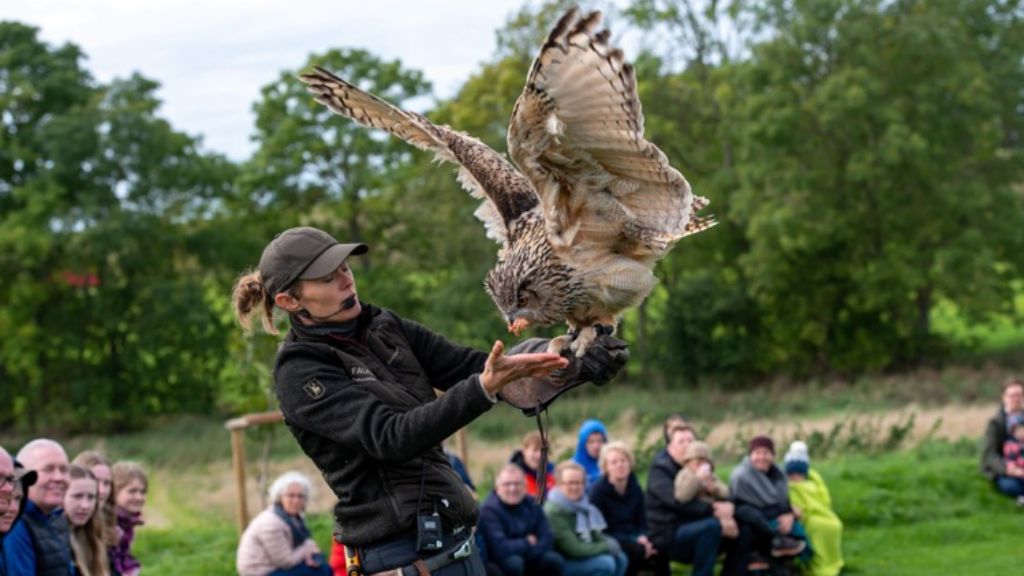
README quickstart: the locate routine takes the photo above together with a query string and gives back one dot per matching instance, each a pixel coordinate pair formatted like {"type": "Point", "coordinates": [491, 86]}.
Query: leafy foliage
{"type": "Point", "coordinates": [864, 160]}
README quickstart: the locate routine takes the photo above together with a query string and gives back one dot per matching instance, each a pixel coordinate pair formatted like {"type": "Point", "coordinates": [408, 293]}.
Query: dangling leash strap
{"type": "Point", "coordinates": [542, 469]}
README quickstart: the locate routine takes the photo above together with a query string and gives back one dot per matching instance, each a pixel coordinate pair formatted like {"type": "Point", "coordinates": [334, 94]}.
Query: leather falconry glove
{"type": "Point", "coordinates": [603, 360]}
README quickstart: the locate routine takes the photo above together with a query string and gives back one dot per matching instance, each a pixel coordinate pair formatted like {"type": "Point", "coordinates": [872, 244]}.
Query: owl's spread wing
{"type": "Point", "coordinates": [577, 134]}
{"type": "Point", "coordinates": [485, 174]}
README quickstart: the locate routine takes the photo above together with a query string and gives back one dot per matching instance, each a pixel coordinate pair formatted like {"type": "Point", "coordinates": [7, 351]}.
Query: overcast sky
{"type": "Point", "coordinates": [212, 57]}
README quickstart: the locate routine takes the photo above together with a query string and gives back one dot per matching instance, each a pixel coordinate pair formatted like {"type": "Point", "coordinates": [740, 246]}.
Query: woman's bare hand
{"type": "Point", "coordinates": [501, 369]}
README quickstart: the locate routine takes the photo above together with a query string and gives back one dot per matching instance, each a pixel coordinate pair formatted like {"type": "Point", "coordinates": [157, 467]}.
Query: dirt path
{"type": "Point", "coordinates": [950, 422]}
{"type": "Point", "coordinates": [214, 488]}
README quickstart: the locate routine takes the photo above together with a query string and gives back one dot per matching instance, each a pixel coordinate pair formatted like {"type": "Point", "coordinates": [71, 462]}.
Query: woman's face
{"type": "Point", "coordinates": [1013, 399]}
{"type": "Point", "coordinates": [7, 518]}
{"type": "Point", "coordinates": [324, 298]}
{"type": "Point", "coordinates": [293, 499]}
{"type": "Point", "coordinates": [762, 459]}
{"type": "Point", "coordinates": [80, 501]}
{"type": "Point", "coordinates": [594, 443]}
{"type": "Point", "coordinates": [132, 497]}
{"type": "Point", "coordinates": [103, 482]}
{"type": "Point", "coordinates": [531, 456]}
{"type": "Point", "coordinates": [618, 466]}
{"type": "Point", "coordinates": [572, 483]}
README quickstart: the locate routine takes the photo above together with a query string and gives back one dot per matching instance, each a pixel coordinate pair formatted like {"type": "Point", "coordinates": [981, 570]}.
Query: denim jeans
{"type": "Point", "coordinates": [400, 551]}
{"type": "Point", "coordinates": [636, 556]}
{"type": "Point", "coordinates": [302, 569]}
{"type": "Point", "coordinates": [697, 543]}
{"type": "Point", "coordinates": [600, 565]}
{"type": "Point", "coordinates": [549, 564]}
{"type": "Point", "coordinates": [1012, 487]}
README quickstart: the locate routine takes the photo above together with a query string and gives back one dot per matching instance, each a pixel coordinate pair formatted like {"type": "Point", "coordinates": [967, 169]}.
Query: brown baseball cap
{"type": "Point", "coordinates": [302, 254]}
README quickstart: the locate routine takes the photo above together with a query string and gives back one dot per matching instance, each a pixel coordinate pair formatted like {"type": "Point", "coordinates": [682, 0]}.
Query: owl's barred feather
{"type": "Point", "coordinates": [588, 207]}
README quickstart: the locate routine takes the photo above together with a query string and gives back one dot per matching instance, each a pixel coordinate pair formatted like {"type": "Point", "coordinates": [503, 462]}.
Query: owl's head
{"type": "Point", "coordinates": [531, 287]}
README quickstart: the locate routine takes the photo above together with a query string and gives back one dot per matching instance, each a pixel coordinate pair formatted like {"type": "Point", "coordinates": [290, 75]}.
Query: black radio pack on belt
{"type": "Point", "coordinates": [429, 536]}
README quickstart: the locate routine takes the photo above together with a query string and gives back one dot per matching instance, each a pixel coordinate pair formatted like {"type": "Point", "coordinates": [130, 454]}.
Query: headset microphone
{"type": "Point", "coordinates": [348, 304]}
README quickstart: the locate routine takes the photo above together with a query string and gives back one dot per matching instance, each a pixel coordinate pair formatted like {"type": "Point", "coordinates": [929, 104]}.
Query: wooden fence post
{"type": "Point", "coordinates": [237, 427]}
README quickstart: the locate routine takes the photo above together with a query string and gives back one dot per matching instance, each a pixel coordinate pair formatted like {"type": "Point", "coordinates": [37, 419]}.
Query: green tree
{"type": "Point", "coordinates": [880, 150]}
{"type": "Point", "coordinates": [103, 315]}
{"type": "Point", "coordinates": [316, 167]}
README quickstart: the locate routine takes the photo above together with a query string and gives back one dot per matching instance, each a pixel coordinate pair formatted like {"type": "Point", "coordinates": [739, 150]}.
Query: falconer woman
{"type": "Point", "coordinates": [356, 385]}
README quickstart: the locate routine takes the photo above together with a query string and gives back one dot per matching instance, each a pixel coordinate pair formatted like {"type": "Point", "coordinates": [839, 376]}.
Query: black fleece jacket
{"type": "Point", "coordinates": [992, 463]}
{"type": "Point", "coordinates": [625, 513]}
{"type": "Point", "coordinates": [364, 410]}
{"type": "Point", "coordinates": [664, 512]}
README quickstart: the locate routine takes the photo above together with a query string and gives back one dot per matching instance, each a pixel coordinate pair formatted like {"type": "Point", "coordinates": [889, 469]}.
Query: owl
{"type": "Point", "coordinates": [586, 206]}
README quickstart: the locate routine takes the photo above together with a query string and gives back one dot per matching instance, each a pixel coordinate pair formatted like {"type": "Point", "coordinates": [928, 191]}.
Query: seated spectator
{"type": "Point", "coordinates": [1007, 476]}
{"type": "Point", "coordinates": [674, 420]}
{"type": "Point", "coordinates": [7, 480]}
{"type": "Point", "coordinates": [810, 497]}
{"type": "Point", "coordinates": [761, 493]}
{"type": "Point", "coordinates": [515, 531]}
{"type": "Point", "coordinates": [592, 436]}
{"type": "Point", "coordinates": [689, 532]}
{"type": "Point", "coordinates": [80, 505]}
{"type": "Point", "coordinates": [696, 479]}
{"type": "Point", "coordinates": [23, 479]}
{"type": "Point", "coordinates": [40, 542]}
{"type": "Point", "coordinates": [578, 527]}
{"type": "Point", "coordinates": [618, 496]}
{"type": "Point", "coordinates": [106, 517]}
{"type": "Point", "coordinates": [460, 468]}
{"type": "Point", "coordinates": [11, 497]}
{"type": "Point", "coordinates": [528, 459]}
{"type": "Point", "coordinates": [277, 541]}
{"type": "Point", "coordinates": [1013, 447]}
{"type": "Point", "coordinates": [130, 487]}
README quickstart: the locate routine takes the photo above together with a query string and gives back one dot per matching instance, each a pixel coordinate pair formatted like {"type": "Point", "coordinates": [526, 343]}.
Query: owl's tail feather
{"type": "Point", "coordinates": [698, 224]}
{"type": "Point", "coordinates": [348, 100]}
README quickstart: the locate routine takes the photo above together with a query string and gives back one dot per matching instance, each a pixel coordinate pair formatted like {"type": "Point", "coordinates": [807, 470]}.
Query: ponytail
{"type": "Point", "coordinates": [249, 293]}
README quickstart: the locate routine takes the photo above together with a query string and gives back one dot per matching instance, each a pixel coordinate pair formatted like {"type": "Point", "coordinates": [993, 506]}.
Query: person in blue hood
{"type": "Point", "coordinates": [592, 436]}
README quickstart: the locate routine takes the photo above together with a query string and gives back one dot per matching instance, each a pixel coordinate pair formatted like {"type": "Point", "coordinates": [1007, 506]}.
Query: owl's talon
{"type": "Point", "coordinates": [560, 344]}
{"type": "Point", "coordinates": [586, 337]}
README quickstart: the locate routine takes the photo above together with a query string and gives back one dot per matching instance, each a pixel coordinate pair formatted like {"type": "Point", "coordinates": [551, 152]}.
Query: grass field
{"type": "Point", "coordinates": [911, 504]}
{"type": "Point", "coordinates": [923, 511]}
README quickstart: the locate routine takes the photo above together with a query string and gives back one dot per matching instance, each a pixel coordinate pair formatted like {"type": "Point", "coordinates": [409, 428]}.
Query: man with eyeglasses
{"type": "Point", "coordinates": [39, 544]}
{"type": "Point", "coordinates": [515, 529]}
{"type": "Point", "coordinates": [7, 480]}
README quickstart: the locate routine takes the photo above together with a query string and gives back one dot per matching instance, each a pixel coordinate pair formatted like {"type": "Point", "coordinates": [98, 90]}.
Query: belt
{"type": "Point", "coordinates": [423, 567]}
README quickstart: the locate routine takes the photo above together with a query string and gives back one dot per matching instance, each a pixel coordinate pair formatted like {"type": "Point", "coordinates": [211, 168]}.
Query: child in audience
{"type": "Point", "coordinates": [1013, 447]}
{"type": "Point", "coordinates": [130, 487]}
{"type": "Point", "coordinates": [696, 479]}
{"type": "Point", "coordinates": [810, 497]}
{"type": "Point", "coordinates": [528, 459]}
{"type": "Point", "coordinates": [106, 518]}
{"type": "Point", "coordinates": [592, 436]}
{"type": "Point", "coordinates": [80, 505]}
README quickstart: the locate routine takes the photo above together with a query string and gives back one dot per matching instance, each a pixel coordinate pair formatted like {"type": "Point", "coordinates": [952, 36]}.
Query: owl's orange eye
{"type": "Point", "coordinates": [522, 301]}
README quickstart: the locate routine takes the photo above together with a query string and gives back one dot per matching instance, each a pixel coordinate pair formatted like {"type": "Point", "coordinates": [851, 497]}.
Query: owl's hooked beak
{"type": "Point", "coordinates": [518, 325]}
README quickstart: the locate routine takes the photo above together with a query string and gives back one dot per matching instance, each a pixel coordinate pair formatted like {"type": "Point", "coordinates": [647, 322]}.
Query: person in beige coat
{"type": "Point", "coordinates": [277, 541]}
{"type": "Point", "coordinates": [696, 479]}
